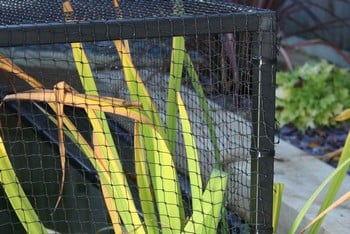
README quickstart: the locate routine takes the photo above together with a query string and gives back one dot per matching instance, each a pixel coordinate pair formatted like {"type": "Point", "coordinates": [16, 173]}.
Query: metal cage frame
{"type": "Point", "coordinates": [262, 24]}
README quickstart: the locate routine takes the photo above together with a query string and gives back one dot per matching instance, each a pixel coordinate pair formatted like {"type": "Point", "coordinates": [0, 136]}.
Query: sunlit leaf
{"type": "Point", "coordinates": [16, 196]}
{"type": "Point", "coordinates": [8, 66]}
{"type": "Point", "coordinates": [213, 199]}
{"type": "Point", "coordinates": [59, 96]}
{"type": "Point", "coordinates": [194, 171]}
{"type": "Point", "coordinates": [104, 144]}
{"type": "Point", "coordinates": [105, 179]}
{"type": "Point", "coordinates": [175, 76]}
{"type": "Point", "coordinates": [164, 180]}
{"type": "Point", "coordinates": [144, 183]}
{"type": "Point", "coordinates": [104, 154]}
{"type": "Point", "coordinates": [204, 106]}
{"type": "Point", "coordinates": [276, 207]}
{"type": "Point", "coordinates": [345, 115]}
{"type": "Point", "coordinates": [137, 90]}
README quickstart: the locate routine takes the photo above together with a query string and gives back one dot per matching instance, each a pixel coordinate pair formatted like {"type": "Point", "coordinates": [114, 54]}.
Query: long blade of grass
{"type": "Point", "coordinates": [88, 82]}
{"type": "Point", "coordinates": [123, 197]}
{"type": "Point", "coordinates": [185, 59]}
{"type": "Point", "coordinates": [204, 106]}
{"type": "Point", "coordinates": [59, 96]}
{"type": "Point", "coordinates": [130, 110]}
{"type": "Point", "coordinates": [137, 90]}
{"type": "Point", "coordinates": [8, 66]}
{"type": "Point", "coordinates": [109, 194]}
{"type": "Point", "coordinates": [194, 171]}
{"type": "Point", "coordinates": [144, 183]}
{"type": "Point", "coordinates": [174, 85]}
{"type": "Point", "coordinates": [337, 203]}
{"type": "Point", "coordinates": [175, 76]}
{"type": "Point", "coordinates": [335, 184]}
{"type": "Point", "coordinates": [276, 206]}
{"type": "Point", "coordinates": [18, 199]}
{"type": "Point", "coordinates": [154, 151]}
{"type": "Point", "coordinates": [75, 99]}
{"type": "Point", "coordinates": [213, 199]}
{"type": "Point", "coordinates": [126, 207]}
{"type": "Point", "coordinates": [106, 185]}
{"type": "Point", "coordinates": [338, 171]}
{"type": "Point", "coordinates": [104, 142]}
{"type": "Point", "coordinates": [164, 180]}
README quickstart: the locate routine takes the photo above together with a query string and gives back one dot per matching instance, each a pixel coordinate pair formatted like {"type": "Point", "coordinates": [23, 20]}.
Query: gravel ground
{"type": "Point", "coordinates": [318, 142]}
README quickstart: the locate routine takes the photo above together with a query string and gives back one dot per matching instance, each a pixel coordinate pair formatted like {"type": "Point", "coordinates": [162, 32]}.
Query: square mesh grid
{"type": "Point", "coordinates": [232, 49]}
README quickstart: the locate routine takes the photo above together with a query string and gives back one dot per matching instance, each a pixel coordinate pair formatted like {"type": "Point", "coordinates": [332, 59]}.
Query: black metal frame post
{"type": "Point", "coordinates": [263, 120]}
{"type": "Point", "coordinates": [97, 30]}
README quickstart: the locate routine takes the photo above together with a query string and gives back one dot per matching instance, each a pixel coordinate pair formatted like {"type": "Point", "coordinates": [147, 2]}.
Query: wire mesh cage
{"type": "Point", "coordinates": [136, 116]}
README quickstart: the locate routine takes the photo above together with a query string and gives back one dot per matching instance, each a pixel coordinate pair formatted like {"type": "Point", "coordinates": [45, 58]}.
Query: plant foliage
{"type": "Point", "coordinates": [312, 95]}
{"type": "Point", "coordinates": [16, 195]}
{"type": "Point", "coordinates": [159, 190]}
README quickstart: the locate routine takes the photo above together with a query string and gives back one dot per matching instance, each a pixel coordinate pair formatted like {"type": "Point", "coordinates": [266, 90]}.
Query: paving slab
{"type": "Point", "coordinates": [302, 174]}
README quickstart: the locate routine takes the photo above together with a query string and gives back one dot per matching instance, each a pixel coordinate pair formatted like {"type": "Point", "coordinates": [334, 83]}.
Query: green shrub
{"type": "Point", "coordinates": [312, 95]}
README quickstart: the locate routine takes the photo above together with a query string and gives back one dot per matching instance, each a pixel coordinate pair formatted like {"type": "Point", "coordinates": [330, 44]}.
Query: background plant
{"type": "Point", "coordinates": [312, 95]}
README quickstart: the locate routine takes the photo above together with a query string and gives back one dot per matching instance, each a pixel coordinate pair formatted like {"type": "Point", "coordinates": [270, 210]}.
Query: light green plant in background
{"type": "Point", "coordinates": [312, 95]}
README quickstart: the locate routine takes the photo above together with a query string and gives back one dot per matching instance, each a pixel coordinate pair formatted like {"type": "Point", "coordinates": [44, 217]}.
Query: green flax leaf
{"type": "Point", "coordinates": [18, 199]}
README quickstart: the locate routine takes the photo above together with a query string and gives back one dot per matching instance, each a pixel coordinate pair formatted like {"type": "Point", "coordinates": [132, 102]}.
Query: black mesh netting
{"type": "Point", "coordinates": [163, 132]}
{"type": "Point", "coordinates": [31, 12]}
